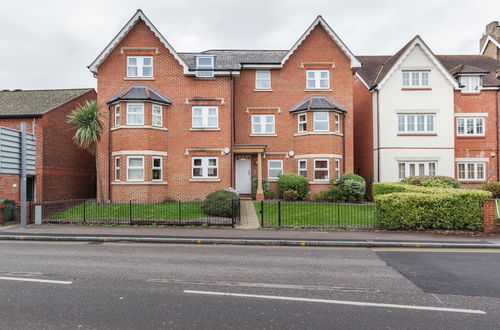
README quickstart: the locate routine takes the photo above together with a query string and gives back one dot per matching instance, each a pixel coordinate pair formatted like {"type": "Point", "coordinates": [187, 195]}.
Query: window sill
{"type": "Point", "coordinates": [202, 129]}
{"type": "Point", "coordinates": [263, 134]}
{"type": "Point", "coordinates": [139, 183]}
{"type": "Point", "coordinates": [204, 78]}
{"type": "Point", "coordinates": [318, 90]}
{"type": "Point", "coordinates": [318, 133]}
{"type": "Point", "coordinates": [139, 126]}
{"type": "Point", "coordinates": [472, 180]}
{"type": "Point", "coordinates": [273, 179]}
{"type": "Point", "coordinates": [320, 182]}
{"type": "Point", "coordinates": [417, 134]}
{"type": "Point", "coordinates": [262, 90]}
{"type": "Point", "coordinates": [470, 93]}
{"type": "Point", "coordinates": [139, 78]}
{"type": "Point", "coordinates": [204, 180]}
{"type": "Point", "coordinates": [416, 89]}
{"type": "Point", "coordinates": [471, 137]}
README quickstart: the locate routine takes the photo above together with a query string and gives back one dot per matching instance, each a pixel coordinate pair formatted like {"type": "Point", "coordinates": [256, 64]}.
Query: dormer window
{"type": "Point", "coordinates": [205, 66]}
{"type": "Point", "coordinates": [139, 66]}
{"type": "Point", "coordinates": [470, 84]}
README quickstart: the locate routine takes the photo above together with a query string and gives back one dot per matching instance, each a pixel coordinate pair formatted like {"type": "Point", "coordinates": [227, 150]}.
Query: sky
{"type": "Point", "coordinates": [49, 44]}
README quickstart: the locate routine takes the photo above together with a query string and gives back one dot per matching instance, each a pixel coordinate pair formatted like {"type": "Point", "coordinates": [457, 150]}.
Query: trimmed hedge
{"type": "Point", "coordinates": [438, 181]}
{"type": "Point", "coordinates": [350, 187]}
{"type": "Point", "coordinates": [293, 182]}
{"type": "Point", "coordinates": [492, 187]}
{"type": "Point", "coordinates": [219, 203]}
{"type": "Point", "coordinates": [402, 206]}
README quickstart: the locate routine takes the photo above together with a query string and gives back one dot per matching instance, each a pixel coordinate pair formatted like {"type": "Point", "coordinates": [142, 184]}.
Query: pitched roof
{"type": "Point", "coordinates": [317, 102]}
{"type": "Point", "coordinates": [487, 41]}
{"type": "Point", "coordinates": [464, 68]}
{"type": "Point", "coordinates": [371, 67]}
{"type": "Point", "coordinates": [141, 92]}
{"type": "Point", "coordinates": [232, 59]}
{"type": "Point", "coordinates": [34, 103]}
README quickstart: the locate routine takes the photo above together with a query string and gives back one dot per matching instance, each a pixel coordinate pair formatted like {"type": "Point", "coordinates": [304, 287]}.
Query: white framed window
{"type": "Point", "coordinates": [302, 122]}
{"type": "Point", "coordinates": [321, 169]}
{"type": "Point", "coordinates": [337, 169]}
{"type": "Point", "coordinates": [337, 122]}
{"type": "Point", "coordinates": [135, 113]}
{"type": "Point", "coordinates": [416, 79]}
{"type": "Point", "coordinates": [157, 115]}
{"type": "Point", "coordinates": [263, 124]}
{"type": "Point", "coordinates": [470, 126]}
{"type": "Point", "coordinates": [471, 171]}
{"type": "Point", "coordinates": [205, 117]}
{"type": "Point", "coordinates": [205, 66]}
{"type": "Point", "coordinates": [416, 123]}
{"type": "Point", "coordinates": [317, 79]}
{"type": "Point", "coordinates": [135, 168]}
{"type": "Point", "coordinates": [471, 84]}
{"type": "Point", "coordinates": [205, 167]}
{"type": "Point", "coordinates": [274, 168]}
{"type": "Point", "coordinates": [302, 167]}
{"type": "Point", "coordinates": [117, 115]}
{"type": "Point", "coordinates": [321, 121]}
{"type": "Point", "coordinates": [262, 79]}
{"type": "Point", "coordinates": [157, 168]}
{"type": "Point", "coordinates": [407, 169]}
{"type": "Point", "coordinates": [117, 168]}
{"type": "Point", "coordinates": [139, 66]}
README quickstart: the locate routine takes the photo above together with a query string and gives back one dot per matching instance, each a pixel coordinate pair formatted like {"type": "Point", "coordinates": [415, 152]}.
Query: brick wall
{"type": "Point", "coordinates": [491, 224]}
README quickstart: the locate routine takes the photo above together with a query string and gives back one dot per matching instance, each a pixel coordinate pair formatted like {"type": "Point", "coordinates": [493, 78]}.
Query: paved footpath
{"type": "Point", "coordinates": [245, 237]}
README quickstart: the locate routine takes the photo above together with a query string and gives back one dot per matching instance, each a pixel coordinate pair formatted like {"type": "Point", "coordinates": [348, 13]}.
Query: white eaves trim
{"type": "Point", "coordinates": [124, 31]}
{"type": "Point", "coordinates": [362, 80]}
{"type": "Point", "coordinates": [355, 63]}
{"type": "Point", "coordinates": [489, 39]}
{"type": "Point", "coordinates": [429, 54]}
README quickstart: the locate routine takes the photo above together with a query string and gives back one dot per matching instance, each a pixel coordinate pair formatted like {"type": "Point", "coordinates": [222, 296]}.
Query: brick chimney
{"type": "Point", "coordinates": [491, 50]}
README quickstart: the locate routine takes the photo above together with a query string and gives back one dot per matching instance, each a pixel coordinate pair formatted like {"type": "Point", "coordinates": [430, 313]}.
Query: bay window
{"type": "Point", "coordinates": [303, 167]}
{"type": "Point", "coordinates": [302, 119]}
{"type": "Point", "coordinates": [321, 170]}
{"type": "Point", "coordinates": [321, 121]}
{"type": "Point", "coordinates": [135, 114]}
{"type": "Point", "coordinates": [157, 168]}
{"type": "Point", "coordinates": [135, 168]}
{"type": "Point", "coordinates": [157, 115]}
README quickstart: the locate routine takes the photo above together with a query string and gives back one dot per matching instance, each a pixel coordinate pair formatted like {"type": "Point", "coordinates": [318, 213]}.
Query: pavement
{"type": "Point", "coordinates": [178, 235]}
{"type": "Point", "coordinates": [47, 285]}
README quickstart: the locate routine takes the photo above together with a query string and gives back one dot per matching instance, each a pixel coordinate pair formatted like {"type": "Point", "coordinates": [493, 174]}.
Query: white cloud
{"type": "Point", "coordinates": [48, 44]}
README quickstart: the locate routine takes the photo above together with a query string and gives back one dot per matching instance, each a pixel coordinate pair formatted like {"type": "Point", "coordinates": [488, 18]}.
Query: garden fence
{"type": "Point", "coordinates": [316, 215]}
{"type": "Point", "coordinates": [131, 212]}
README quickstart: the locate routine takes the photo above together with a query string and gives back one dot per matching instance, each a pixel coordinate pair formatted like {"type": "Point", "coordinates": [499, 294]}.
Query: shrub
{"type": "Point", "coordinates": [293, 182]}
{"type": "Point", "coordinates": [320, 196]}
{"type": "Point", "coordinates": [493, 187]}
{"type": "Point", "coordinates": [219, 203]}
{"type": "Point", "coordinates": [350, 187]}
{"type": "Point", "coordinates": [438, 181]}
{"type": "Point", "coordinates": [265, 186]}
{"type": "Point", "coordinates": [291, 195]}
{"type": "Point", "coordinates": [431, 208]}
{"type": "Point", "coordinates": [383, 188]}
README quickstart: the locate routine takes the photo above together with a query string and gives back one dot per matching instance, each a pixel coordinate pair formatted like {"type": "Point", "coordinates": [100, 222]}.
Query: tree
{"type": "Point", "coordinates": [86, 120]}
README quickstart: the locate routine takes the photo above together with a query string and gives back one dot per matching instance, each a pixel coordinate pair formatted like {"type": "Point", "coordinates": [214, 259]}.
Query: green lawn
{"type": "Point", "coordinates": [174, 210]}
{"type": "Point", "coordinates": [310, 214]}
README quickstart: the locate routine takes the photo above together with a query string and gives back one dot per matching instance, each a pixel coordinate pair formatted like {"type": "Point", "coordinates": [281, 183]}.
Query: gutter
{"type": "Point", "coordinates": [497, 137]}
{"type": "Point", "coordinates": [343, 144]}
{"type": "Point", "coordinates": [110, 162]}
{"type": "Point", "coordinates": [378, 135]}
{"type": "Point", "coordinates": [21, 116]}
{"type": "Point", "coordinates": [233, 130]}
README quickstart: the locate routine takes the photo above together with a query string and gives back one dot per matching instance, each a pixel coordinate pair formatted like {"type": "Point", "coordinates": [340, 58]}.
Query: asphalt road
{"type": "Point", "coordinates": [148, 286]}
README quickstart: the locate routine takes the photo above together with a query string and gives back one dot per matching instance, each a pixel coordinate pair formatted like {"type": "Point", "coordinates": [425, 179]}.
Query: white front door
{"type": "Point", "coordinates": [243, 175]}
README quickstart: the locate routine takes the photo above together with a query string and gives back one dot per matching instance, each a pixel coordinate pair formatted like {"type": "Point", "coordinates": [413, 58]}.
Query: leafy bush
{"type": "Point", "coordinates": [320, 196]}
{"type": "Point", "coordinates": [383, 188]}
{"type": "Point", "coordinates": [431, 208]}
{"type": "Point", "coordinates": [291, 195]}
{"type": "Point", "coordinates": [350, 187]}
{"type": "Point", "coordinates": [266, 186]}
{"type": "Point", "coordinates": [493, 187]}
{"type": "Point", "coordinates": [293, 182]}
{"type": "Point", "coordinates": [219, 203]}
{"type": "Point", "coordinates": [438, 181]}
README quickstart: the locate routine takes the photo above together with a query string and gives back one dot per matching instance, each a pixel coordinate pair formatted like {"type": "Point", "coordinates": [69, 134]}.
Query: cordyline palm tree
{"type": "Point", "coordinates": [88, 125]}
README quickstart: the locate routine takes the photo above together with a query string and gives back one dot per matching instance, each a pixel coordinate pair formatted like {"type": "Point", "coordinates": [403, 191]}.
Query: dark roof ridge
{"type": "Point", "coordinates": [45, 90]}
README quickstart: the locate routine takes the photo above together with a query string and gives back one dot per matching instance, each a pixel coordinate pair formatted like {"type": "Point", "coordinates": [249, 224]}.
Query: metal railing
{"type": "Point", "coordinates": [281, 214]}
{"type": "Point", "coordinates": [131, 212]}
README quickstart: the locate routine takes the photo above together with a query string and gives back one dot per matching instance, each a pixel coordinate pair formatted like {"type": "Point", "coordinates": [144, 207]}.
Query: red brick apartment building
{"type": "Point", "coordinates": [420, 134]}
{"type": "Point", "coordinates": [182, 125]}
{"type": "Point", "coordinates": [62, 170]}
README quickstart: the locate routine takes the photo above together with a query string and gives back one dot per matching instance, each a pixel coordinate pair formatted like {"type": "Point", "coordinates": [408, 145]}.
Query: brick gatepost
{"type": "Point", "coordinates": [490, 217]}
{"type": "Point", "coordinates": [2, 214]}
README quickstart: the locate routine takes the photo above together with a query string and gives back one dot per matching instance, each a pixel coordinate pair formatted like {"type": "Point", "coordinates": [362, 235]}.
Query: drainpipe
{"type": "Point", "coordinates": [109, 153]}
{"type": "Point", "coordinates": [343, 143]}
{"type": "Point", "coordinates": [378, 137]}
{"type": "Point", "coordinates": [233, 130]}
{"type": "Point", "coordinates": [497, 128]}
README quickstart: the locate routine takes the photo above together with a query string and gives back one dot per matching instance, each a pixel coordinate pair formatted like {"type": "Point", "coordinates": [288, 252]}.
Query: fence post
{"type": "Point", "coordinates": [262, 214]}
{"type": "Point", "coordinates": [130, 211]}
{"type": "Point", "coordinates": [232, 212]}
{"type": "Point", "coordinates": [279, 213]}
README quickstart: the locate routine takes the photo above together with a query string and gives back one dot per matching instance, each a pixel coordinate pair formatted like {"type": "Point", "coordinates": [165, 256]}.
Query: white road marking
{"type": "Point", "coordinates": [340, 302]}
{"type": "Point", "coordinates": [23, 279]}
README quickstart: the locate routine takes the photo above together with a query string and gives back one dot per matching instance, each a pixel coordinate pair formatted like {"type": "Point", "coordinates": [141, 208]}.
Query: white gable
{"type": "Point", "coordinates": [124, 31]}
